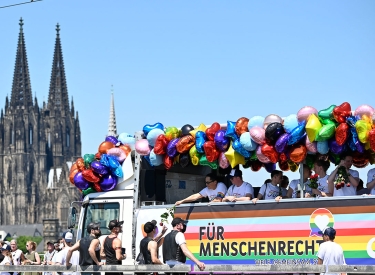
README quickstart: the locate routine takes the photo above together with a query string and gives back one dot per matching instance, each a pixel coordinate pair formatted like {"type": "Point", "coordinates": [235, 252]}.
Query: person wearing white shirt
{"type": "Point", "coordinates": [272, 190]}
{"type": "Point", "coordinates": [62, 255]}
{"type": "Point", "coordinates": [320, 168]}
{"type": "Point", "coordinates": [353, 175]}
{"type": "Point", "coordinates": [330, 253]}
{"type": "Point", "coordinates": [240, 190]}
{"type": "Point", "coordinates": [371, 181]}
{"type": "Point", "coordinates": [293, 185]}
{"type": "Point", "coordinates": [7, 257]}
{"type": "Point", "coordinates": [214, 191]}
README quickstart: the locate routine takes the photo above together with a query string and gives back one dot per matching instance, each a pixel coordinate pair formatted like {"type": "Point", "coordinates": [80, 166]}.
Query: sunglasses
{"type": "Point", "coordinates": [208, 182]}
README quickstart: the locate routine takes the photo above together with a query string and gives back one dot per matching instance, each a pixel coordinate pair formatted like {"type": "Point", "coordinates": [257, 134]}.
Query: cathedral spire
{"type": "Point", "coordinates": [58, 100]}
{"type": "Point", "coordinates": [21, 96]}
{"type": "Point", "coordinates": [112, 129]}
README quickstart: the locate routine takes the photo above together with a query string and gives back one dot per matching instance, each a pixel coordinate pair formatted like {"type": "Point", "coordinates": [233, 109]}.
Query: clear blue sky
{"type": "Point", "coordinates": [179, 62]}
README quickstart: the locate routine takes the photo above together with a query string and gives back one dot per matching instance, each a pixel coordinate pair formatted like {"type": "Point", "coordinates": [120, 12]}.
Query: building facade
{"type": "Point", "coordinates": [37, 146]}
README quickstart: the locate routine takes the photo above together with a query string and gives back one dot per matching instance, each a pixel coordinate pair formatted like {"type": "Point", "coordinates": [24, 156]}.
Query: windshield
{"type": "Point", "coordinates": [101, 213]}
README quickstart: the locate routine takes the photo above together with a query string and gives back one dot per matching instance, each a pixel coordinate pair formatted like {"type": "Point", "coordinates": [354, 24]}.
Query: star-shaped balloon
{"type": "Point", "coordinates": [231, 130]}
{"type": "Point", "coordinates": [201, 127]}
{"type": "Point", "coordinates": [233, 157]}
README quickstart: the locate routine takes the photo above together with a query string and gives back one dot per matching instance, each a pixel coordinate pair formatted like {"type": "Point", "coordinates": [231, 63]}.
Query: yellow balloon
{"type": "Point", "coordinates": [194, 155]}
{"type": "Point", "coordinates": [312, 127]}
{"type": "Point", "coordinates": [293, 166]}
{"type": "Point", "coordinates": [233, 157]}
{"type": "Point", "coordinates": [363, 128]}
{"type": "Point", "coordinates": [201, 127]}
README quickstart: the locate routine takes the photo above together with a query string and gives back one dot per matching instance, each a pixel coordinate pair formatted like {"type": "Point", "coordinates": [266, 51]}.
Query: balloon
{"type": "Point", "coordinates": [256, 165]}
{"type": "Point", "coordinates": [364, 110]}
{"type": "Point", "coordinates": [233, 157]}
{"type": "Point", "coordinates": [283, 157]}
{"type": "Point", "coordinates": [335, 147]}
{"type": "Point", "coordinates": [309, 161]}
{"type": "Point", "coordinates": [293, 166]}
{"type": "Point", "coordinates": [73, 171]}
{"type": "Point", "coordinates": [237, 146]}
{"type": "Point", "coordinates": [168, 162]}
{"type": "Point", "coordinates": [221, 141]}
{"type": "Point", "coordinates": [97, 187]}
{"type": "Point", "coordinates": [270, 119]}
{"type": "Point", "coordinates": [155, 159]}
{"type": "Point", "coordinates": [194, 155]}
{"type": "Point", "coordinates": [261, 157]}
{"type": "Point", "coordinates": [247, 142]}
{"type": "Point", "coordinates": [256, 121]}
{"type": "Point", "coordinates": [360, 160]}
{"type": "Point", "coordinates": [109, 183]}
{"type": "Point", "coordinates": [200, 139]}
{"type": "Point", "coordinates": [290, 122]}
{"type": "Point", "coordinates": [153, 135]}
{"type": "Point", "coordinates": [270, 152]}
{"type": "Point", "coordinates": [282, 142]}
{"type": "Point", "coordinates": [80, 182]}
{"type": "Point", "coordinates": [204, 161]}
{"type": "Point", "coordinates": [270, 167]}
{"type": "Point", "coordinates": [327, 113]}
{"type": "Point", "coordinates": [171, 148]}
{"type": "Point", "coordinates": [112, 162]}
{"type": "Point", "coordinates": [363, 128]}
{"type": "Point", "coordinates": [340, 113]}
{"type": "Point", "coordinates": [172, 133]}
{"type": "Point", "coordinates": [211, 131]}
{"type": "Point", "coordinates": [148, 127]}
{"type": "Point", "coordinates": [326, 132]}
{"type": "Point", "coordinates": [210, 150]}
{"type": "Point", "coordinates": [88, 191]}
{"type": "Point", "coordinates": [88, 158]}
{"type": "Point", "coordinates": [311, 146]}
{"type": "Point", "coordinates": [142, 147]}
{"type": "Point", "coordinates": [80, 164]}
{"type": "Point", "coordinates": [231, 130]}
{"type": "Point", "coordinates": [126, 148]}
{"type": "Point", "coordinates": [128, 139]}
{"type": "Point", "coordinates": [184, 159]}
{"type": "Point", "coordinates": [284, 166]}
{"type": "Point", "coordinates": [98, 155]}
{"type": "Point", "coordinates": [371, 138]}
{"type": "Point", "coordinates": [322, 147]}
{"type": "Point", "coordinates": [241, 126]}
{"type": "Point", "coordinates": [297, 134]}
{"type": "Point", "coordinates": [201, 128]}
{"type": "Point", "coordinates": [273, 131]}
{"type": "Point", "coordinates": [161, 144]}
{"type": "Point", "coordinates": [305, 112]}
{"type": "Point", "coordinates": [312, 127]}
{"type": "Point", "coordinates": [186, 129]}
{"type": "Point", "coordinates": [342, 133]}
{"type": "Point", "coordinates": [105, 146]}
{"type": "Point", "coordinates": [118, 153]}
{"type": "Point", "coordinates": [185, 143]}
{"type": "Point", "coordinates": [354, 143]}
{"type": "Point", "coordinates": [112, 139]}
{"type": "Point", "coordinates": [223, 161]}
{"type": "Point", "coordinates": [99, 168]}
{"type": "Point", "coordinates": [258, 134]}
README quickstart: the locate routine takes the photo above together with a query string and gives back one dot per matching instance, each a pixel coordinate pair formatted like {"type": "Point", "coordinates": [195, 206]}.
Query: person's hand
{"type": "Point", "coordinates": [229, 198]}
{"type": "Point", "coordinates": [178, 203]}
{"type": "Point", "coordinates": [307, 195]}
{"type": "Point", "coordinates": [101, 263]}
{"type": "Point", "coordinates": [316, 192]}
{"type": "Point", "coordinates": [68, 264]}
{"type": "Point", "coordinates": [254, 200]}
{"type": "Point", "coordinates": [278, 198]}
{"type": "Point", "coordinates": [201, 266]}
{"type": "Point", "coordinates": [124, 256]}
{"type": "Point", "coordinates": [164, 229]}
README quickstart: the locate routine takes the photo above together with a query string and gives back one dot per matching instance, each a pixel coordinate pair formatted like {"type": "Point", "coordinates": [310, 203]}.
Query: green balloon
{"type": "Point", "coordinates": [88, 158]}
{"type": "Point", "coordinates": [326, 132]}
{"type": "Point", "coordinates": [203, 161]}
{"type": "Point", "coordinates": [327, 113]}
{"type": "Point", "coordinates": [310, 159]}
{"type": "Point", "coordinates": [247, 163]}
{"type": "Point", "coordinates": [88, 191]}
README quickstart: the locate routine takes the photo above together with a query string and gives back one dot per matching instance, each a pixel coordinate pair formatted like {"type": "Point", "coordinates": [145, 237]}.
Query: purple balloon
{"type": "Point", "coordinates": [109, 182]}
{"type": "Point", "coordinates": [99, 168]}
{"type": "Point", "coordinates": [269, 167]}
{"type": "Point", "coordinates": [80, 182]}
{"type": "Point", "coordinates": [282, 142]}
{"type": "Point", "coordinates": [221, 141]}
{"type": "Point", "coordinates": [359, 146]}
{"type": "Point", "coordinates": [171, 148]}
{"type": "Point", "coordinates": [112, 139]}
{"type": "Point", "coordinates": [336, 148]}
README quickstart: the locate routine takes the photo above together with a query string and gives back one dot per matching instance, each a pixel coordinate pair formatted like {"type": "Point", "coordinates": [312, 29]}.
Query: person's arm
{"type": "Point", "coordinates": [354, 181]}
{"type": "Point", "coordinates": [102, 253]}
{"type": "Point", "coordinates": [289, 194]}
{"type": "Point", "coordinates": [370, 179]}
{"type": "Point", "coordinates": [320, 261]}
{"type": "Point", "coordinates": [331, 179]}
{"type": "Point", "coordinates": [193, 197]}
{"type": "Point", "coordinates": [160, 235]}
{"type": "Point", "coordinates": [246, 198]}
{"type": "Point", "coordinates": [37, 259]}
{"type": "Point", "coordinates": [70, 251]}
{"type": "Point", "coordinates": [94, 243]}
{"type": "Point", "coordinates": [190, 255]}
{"type": "Point", "coordinates": [153, 247]}
{"type": "Point", "coordinates": [116, 245]}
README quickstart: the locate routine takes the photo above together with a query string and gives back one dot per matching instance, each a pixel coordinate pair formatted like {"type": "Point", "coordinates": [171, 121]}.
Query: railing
{"type": "Point", "coordinates": [360, 269]}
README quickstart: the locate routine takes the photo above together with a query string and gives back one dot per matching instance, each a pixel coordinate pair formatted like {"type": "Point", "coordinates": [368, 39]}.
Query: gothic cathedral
{"type": "Point", "coordinates": [37, 146]}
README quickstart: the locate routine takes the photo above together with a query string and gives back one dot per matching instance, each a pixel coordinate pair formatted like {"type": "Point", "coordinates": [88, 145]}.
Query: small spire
{"type": "Point", "coordinates": [58, 28]}
{"type": "Point", "coordinates": [21, 23]}
{"type": "Point", "coordinates": [112, 129]}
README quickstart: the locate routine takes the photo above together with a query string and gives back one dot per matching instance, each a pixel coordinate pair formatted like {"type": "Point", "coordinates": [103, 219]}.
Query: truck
{"type": "Point", "coordinates": [227, 233]}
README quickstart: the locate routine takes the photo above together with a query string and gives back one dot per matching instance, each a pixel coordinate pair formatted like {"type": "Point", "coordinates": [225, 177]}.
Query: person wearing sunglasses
{"type": "Point", "coordinates": [214, 191]}
{"type": "Point", "coordinates": [240, 190]}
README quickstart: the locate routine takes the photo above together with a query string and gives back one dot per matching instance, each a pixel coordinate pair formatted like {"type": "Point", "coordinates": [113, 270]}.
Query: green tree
{"type": "Point", "coordinates": [22, 240]}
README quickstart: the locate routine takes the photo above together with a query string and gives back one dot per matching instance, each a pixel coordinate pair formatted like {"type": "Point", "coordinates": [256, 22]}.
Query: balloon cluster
{"type": "Point", "coordinates": [262, 142]}
{"type": "Point", "coordinates": [102, 171]}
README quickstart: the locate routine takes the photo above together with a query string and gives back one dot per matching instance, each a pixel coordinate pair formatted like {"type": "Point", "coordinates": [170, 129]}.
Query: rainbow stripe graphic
{"type": "Point", "coordinates": [279, 233]}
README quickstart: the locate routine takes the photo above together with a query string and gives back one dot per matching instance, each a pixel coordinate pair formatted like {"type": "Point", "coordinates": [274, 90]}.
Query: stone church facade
{"type": "Point", "coordinates": [37, 146]}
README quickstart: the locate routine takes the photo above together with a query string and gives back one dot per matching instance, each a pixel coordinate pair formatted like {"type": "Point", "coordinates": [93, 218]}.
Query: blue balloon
{"type": "Point", "coordinates": [231, 130]}
{"type": "Point", "coordinates": [290, 123]}
{"type": "Point", "coordinates": [200, 139]}
{"type": "Point", "coordinates": [113, 162]}
{"type": "Point", "coordinates": [336, 148]}
{"type": "Point", "coordinates": [247, 143]}
{"type": "Point", "coordinates": [236, 144]}
{"type": "Point", "coordinates": [104, 160]}
{"type": "Point", "coordinates": [126, 138]}
{"type": "Point", "coordinates": [297, 134]}
{"type": "Point", "coordinates": [147, 128]}
{"type": "Point", "coordinates": [256, 121]}
{"type": "Point", "coordinates": [118, 172]}
{"type": "Point", "coordinates": [322, 147]}
{"type": "Point", "coordinates": [153, 135]}
{"type": "Point", "coordinates": [155, 159]}
{"type": "Point", "coordinates": [112, 139]}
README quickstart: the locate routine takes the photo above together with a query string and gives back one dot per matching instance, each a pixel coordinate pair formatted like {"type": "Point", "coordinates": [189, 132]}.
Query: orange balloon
{"type": "Point", "coordinates": [360, 160]}
{"type": "Point", "coordinates": [73, 171]}
{"type": "Point", "coordinates": [270, 152]}
{"type": "Point", "coordinates": [298, 153]}
{"type": "Point", "coordinates": [98, 155]}
{"type": "Point", "coordinates": [284, 165]}
{"type": "Point", "coordinates": [80, 164]}
{"type": "Point", "coordinates": [241, 126]}
{"type": "Point", "coordinates": [105, 146]}
{"type": "Point", "coordinates": [126, 148]}
{"type": "Point", "coordinates": [185, 143]}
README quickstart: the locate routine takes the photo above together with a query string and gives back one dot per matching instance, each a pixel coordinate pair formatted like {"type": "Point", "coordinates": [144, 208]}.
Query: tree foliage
{"type": "Point", "coordinates": [22, 240]}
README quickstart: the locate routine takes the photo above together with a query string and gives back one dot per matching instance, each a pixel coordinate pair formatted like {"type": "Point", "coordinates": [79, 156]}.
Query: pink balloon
{"type": "Point", "coordinates": [118, 153]}
{"type": "Point", "coordinates": [364, 110]}
{"type": "Point", "coordinates": [261, 157]}
{"type": "Point", "coordinates": [142, 147]}
{"type": "Point", "coordinates": [223, 161]}
{"type": "Point", "coordinates": [305, 112]}
{"type": "Point", "coordinates": [271, 119]}
{"type": "Point", "coordinates": [258, 134]}
{"type": "Point", "coordinates": [311, 146]}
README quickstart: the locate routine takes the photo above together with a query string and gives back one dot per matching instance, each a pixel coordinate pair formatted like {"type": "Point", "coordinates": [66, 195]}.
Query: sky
{"type": "Point", "coordinates": [192, 62]}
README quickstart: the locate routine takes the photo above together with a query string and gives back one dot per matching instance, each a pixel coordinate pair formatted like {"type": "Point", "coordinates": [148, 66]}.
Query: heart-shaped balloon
{"type": "Point", "coordinates": [327, 113]}
{"type": "Point", "coordinates": [148, 127]}
{"type": "Point", "coordinates": [142, 147]}
{"type": "Point", "coordinates": [290, 122]}
{"type": "Point", "coordinates": [171, 148]}
{"type": "Point", "coordinates": [126, 148]}
{"type": "Point", "coordinates": [242, 126]}
{"type": "Point", "coordinates": [201, 128]}
{"type": "Point", "coordinates": [221, 141]}
{"type": "Point", "coordinates": [211, 151]}
{"type": "Point", "coordinates": [342, 133]}
{"type": "Point", "coordinates": [118, 154]}
{"type": "Point", "coordinates": [153, 135]}
{"type": "Point", "coordinates": [112, 139]}
{"type": "Point", "coordinates": [284, 166]}
{"type": "Point", "coordinates": [161, 144]}
{"type": "Point", "coordinates": [172, 133]}
{"type": "Point", "coordinates": [340, 113]}
{"type": "Point", "coordinates": [204, 161]}
{"type": "Point", "coordinates": [366, 110]}
{"type": "Point", "coordinates": [194, 155]}
{"type": "Point", "coordinates": [258, 134]}
{"type": "Point", "coordinates": [371, 138]}
{"type": "Point", "coordinates": [200, 139]}
{"type": "Point", "coordinates": [211, 131]}
{"type": "Point", "coordinates": [256, 121]}
{"type": "Point", "coordinates": [270, 167]}
{"type": "Point", "coordinates": [90, 176]}
{"type": "Point", "coordinates": [298, 153]}
{"type": "Point", "coordinates": [270, 119]}
{"type": "Point", "coordinates": [322, 147]}
{"type": "Point", "coordinates": [99, 168]}
{"type": "Point", "coordinates": [247, 142]}
{"type": "Point", "coordinates": [270, 152]}
{"type": "Point", "coordinates": [311, 146]}
{"type": "Point", "coordinates": [185, 143]}
{"type": "Point", "coordinates": [155, 159]}
{"type": "Point", "coordinates": [168, 162]}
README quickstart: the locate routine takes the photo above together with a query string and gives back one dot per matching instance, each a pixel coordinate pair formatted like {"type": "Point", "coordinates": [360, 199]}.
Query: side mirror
{"type": "Point", "coordinates": [72, 217]}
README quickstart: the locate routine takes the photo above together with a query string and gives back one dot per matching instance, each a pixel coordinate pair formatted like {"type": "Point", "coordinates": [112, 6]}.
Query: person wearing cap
{"type": "Point", "coordinates": [330, 253]}
{"type": "Point", "coordinates": [6, 257]}
{"type": "Point", "coordinates": [240, 190]}
{"type": "Point", "coordinates": [62, 255]}
{"type": "Point", "coordinates": [111, 250]}
{"type": "Point", "coordinates": [214, 191]}
{"type": "Point", "coordinates": [272, 190]}
{"type": "Point", "coordinates": [148, 246]}
{"type": "Point", "coordinates": [175, 249]}
{"type": "Point", "coordinates": [48, 256]}
{"type": "Point", "coordinates": [87, 247]}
